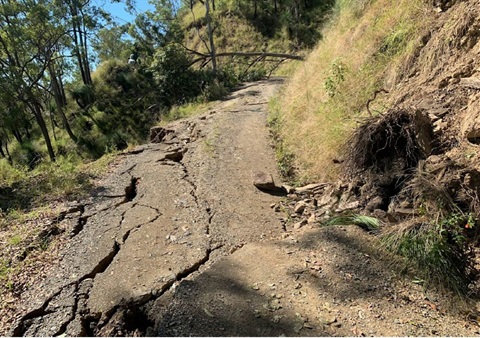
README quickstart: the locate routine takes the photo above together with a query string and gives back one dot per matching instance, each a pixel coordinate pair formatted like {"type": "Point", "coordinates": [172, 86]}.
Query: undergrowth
{"type": "Point", "coordinates": [441, 250]}
{"type": "Point", "coordinates": [285, 158]}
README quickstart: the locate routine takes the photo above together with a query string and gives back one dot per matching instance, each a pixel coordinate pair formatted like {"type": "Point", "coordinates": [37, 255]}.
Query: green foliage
{"type": "Point", "coordinates": [366, 222]}
{"type": "Point", "coordinates": [296, 21]}
{"type": "Point", "coordinates": [4, 269]}
{"type": "Point", "coordinates": [66, 178]}
{"type": "Point", "coordinates": [109, 43]}
{"type": "Point", "coordinates": [10, 174]}
{"type": "Point", "coordinates": [285, 158]}
{"type": "Point", "coordinates": [15, 240]}
{"type": "Point", "coordinates": [441, 250]}
{"type": "Point", "coordinates": [398, 39]}
{"type": "Point", "coordinates": [335, 78]}
{"type": "Point", "coordinates": [176, 82]}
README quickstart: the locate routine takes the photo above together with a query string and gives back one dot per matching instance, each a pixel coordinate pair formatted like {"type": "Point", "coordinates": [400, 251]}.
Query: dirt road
{"type": "Point", "coordinates": [177, 241]}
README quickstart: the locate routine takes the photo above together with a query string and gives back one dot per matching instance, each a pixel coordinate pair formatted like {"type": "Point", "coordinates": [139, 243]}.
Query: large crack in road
{"type": "Point", "coordinates": [154, 222]}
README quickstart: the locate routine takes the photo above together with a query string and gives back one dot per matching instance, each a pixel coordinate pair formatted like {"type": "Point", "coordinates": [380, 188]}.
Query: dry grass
{"type": "Point", "coordinates": [361, 52]}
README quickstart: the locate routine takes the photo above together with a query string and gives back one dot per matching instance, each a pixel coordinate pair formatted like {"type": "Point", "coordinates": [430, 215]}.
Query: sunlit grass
{"type": "Point", "coordinates": [370, 39]}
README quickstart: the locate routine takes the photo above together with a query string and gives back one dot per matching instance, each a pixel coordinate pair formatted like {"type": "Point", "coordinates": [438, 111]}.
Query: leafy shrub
{"type": "Point", "coordinates": [176, 82]}
{"type": "Point", "coordinates": [335, 78]}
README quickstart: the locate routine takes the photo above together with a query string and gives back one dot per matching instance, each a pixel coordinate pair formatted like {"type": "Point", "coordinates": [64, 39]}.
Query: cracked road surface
{"type": "Point", "coordinates": [166, 210]}
{"type": "Point", "coordinates": [177, 241]}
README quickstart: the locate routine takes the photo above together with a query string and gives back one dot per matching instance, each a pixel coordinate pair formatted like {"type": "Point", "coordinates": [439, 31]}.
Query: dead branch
{"type": "Point", "coordinates": [275, 67]}
{"type": "Point", "coordinates": [206, 57]}
{"type": "Point", "coordinates": [374, 97]}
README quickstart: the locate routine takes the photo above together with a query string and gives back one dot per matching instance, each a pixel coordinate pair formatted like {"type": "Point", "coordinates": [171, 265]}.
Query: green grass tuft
{"type": "Point", "coordinates": [365, 222]}
{"type": "Point", "coordinates": [440, 250]}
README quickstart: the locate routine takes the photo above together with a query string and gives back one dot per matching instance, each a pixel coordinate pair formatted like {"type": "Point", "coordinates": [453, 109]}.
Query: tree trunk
{"type": "Point", "coordinates": [52, 123]}
{"type": "Point", "coordinates": [17, 135]}
{"type": "Point", "coordinates": [1, 149]}
{"type": "Point", "coordinates": [80, 44]}
{"type": "Point", "coordinates": [210, 37]}
{"type": "Point", "coordinates": [57, 94]}
{"type": "Point", "coordinates": [9, 157]}
{"type": "Point", "coordinates": [37, 112]}
{"type": "Point", "coordinates": [204, 57]}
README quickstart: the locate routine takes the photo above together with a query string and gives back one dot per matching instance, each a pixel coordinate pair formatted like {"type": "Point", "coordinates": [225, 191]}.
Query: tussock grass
{"type": "Point", "coordinates": [365, 222]}
{"type": "Point", "coordinates": [439, 250]}
{"type": "Point", "coordinates": [22, 191]}
{"type": "Point", "coordinates": [185, 111]}
{"type": "Point", "coordinates": [362, 51]}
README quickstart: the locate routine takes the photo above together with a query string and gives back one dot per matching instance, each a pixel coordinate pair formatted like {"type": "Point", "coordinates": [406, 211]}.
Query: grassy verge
{"type": "Point", "coordinates": [185, 111]}
{"type": "Point", "coordinates": [30, 202]}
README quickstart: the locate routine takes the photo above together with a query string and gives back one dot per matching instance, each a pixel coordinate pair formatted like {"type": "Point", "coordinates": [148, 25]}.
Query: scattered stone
{"type": "Point", "coordinates": [288, 189]}
{"type": "Point", "coordinates": [380, 214]}
{"type": "Point", "coordinates": [374, 203]}
{"type": "Point", "coordinates": [310, 187]}
{"type": "Point", "coordinates": [157, 134]}
{"type": "Point", "coordinates": [330, 320]}
{"type": "Point", "coordinates": [298, 327]}
{"type": "Point", "coordinates": [404, 211]}
{"type": "Point", "coordinates": [470, 82]}
{"type": "Point", "coordinates": [439, 125]}
{"type": "Point", "coordinates": [264, 181]}
{"type": "Point", "coordinates": [348, 206]}
{"type": "Point", "coordinates": [175, 154]}
{"type": "Point", "coordinates": [300, 207]}
{"type": "Point", "coordinates": [311, 219]}
{"type": "Point", "coordinates": [300, 224]}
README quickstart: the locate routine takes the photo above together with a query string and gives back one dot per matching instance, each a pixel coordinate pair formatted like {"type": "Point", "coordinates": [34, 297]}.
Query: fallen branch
{"type": "Point", "coordinates": [206, 57]}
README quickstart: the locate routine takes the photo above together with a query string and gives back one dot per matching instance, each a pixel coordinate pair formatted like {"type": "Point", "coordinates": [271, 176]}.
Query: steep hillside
{"type": "Point", "coordinates": [363, 50]}
{"type": "Point", "coordinates": [388, 103]}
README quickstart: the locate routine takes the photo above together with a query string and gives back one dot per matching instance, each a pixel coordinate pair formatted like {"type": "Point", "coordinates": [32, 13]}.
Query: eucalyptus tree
{"type": "Point", "coordinates": [111, 43]}
{"type": "Point", "coordinates": [28, 40]}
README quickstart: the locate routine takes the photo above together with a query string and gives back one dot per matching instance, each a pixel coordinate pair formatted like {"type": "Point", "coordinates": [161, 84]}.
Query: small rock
{"type": "Point", "coordinates": [264, 181]}
{"type": "Point", "coordinates": [300, 224]}
{"type": "Point", "coordinates": [348, 206]}
{"type": "Point", "coordinates": [310, 187]}
{"type": "Point", "coordinates": [157, 134]}
{"type": "Point", "coordinates": [298, 327]}
{"type": "Point", "coordinates": [288, 189]}
{"type": "Point", "coordinates": [404, 211]}
{"type": "Point", "coordinates": [311, 219]}
{"type": "Point", "coordinates": [374, 203]}
{"type": "Point", "coordinates": [175, 154]}
{"type": "Point", "coordinates": [439, 125]}
{"type": "Point", "coordinates": [331, 320]}
{"type": "Point", "coordinates": [300, 207]}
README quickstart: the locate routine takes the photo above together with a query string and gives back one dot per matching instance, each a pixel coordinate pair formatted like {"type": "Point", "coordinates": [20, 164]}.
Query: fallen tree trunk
{"type": "Point", "coordinates": [206, 57]}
